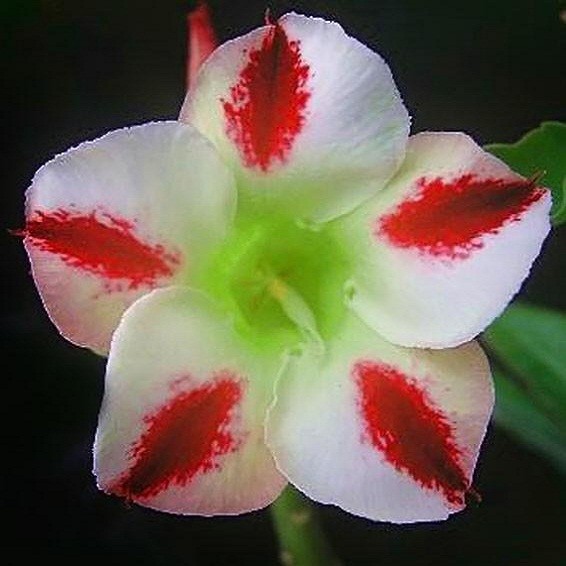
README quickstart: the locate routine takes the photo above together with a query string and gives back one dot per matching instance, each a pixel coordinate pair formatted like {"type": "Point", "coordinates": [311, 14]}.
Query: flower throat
{"type": "Point", "coordinates": [281, 278]}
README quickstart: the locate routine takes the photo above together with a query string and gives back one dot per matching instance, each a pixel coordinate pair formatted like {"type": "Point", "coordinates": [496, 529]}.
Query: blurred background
{"type": "Point", "coordinates": [74, 70]}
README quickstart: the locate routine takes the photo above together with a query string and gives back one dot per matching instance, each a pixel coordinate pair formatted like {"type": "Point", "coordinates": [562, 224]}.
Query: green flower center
{"type": "Point", "coordinates": [279, 279]}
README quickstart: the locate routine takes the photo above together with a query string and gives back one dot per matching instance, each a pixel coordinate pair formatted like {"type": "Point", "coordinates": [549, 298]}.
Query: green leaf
{"type": "Point", "coordinates": [516, 413]}
{"type": "Point", "coordinates": [542, 150]}
{"type": "Point", "coordinates": [529, 344]}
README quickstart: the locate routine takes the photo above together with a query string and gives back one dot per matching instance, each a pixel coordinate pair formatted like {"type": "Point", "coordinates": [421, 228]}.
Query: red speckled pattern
{"type": "Point", "coordinates": [414, 436]}
{"type": "Point", "coordinates": [183, 438]}
{"type": "Point", "coordinates": [448, 218]}
{"type": "Point", "coordinates": [266, 109]}
{"type": "Point", "coordinates": [101, 244]}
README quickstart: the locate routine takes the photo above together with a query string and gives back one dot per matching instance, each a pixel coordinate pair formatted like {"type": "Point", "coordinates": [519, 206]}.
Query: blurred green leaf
{"type": "Point", "coordinates": [542, 150]}
{"type": "Point", "coordinates": [515, 412]}
{"type": "Point", "coordinates": [529, 344]}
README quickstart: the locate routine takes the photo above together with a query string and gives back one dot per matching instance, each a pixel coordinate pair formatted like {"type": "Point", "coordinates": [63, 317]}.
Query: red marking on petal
{"type": "Point", "coordinates": [101, 244]}
{"type": "Point", "coordinates": [405, 426]}
{"type": "Point", "coordinates": [201, 40]}
{"type": "Point", "coordinates": [266, 108]}
{"type": "Point", "coordinates": [449, 218]}
{"type": "Point", "coordinates": [183, 438]}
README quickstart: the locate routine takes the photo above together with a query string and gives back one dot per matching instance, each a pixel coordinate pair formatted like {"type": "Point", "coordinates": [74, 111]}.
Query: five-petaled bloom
{"type": "Point", "coordinates": [288, 285]}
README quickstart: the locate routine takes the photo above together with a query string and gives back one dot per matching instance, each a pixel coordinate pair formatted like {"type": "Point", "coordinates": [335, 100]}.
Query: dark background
{"type": "Point", "coordinates": [75, 70]}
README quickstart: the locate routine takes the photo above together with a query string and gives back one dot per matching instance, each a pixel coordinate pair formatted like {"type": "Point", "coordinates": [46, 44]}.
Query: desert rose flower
{"type": "Point", "coordinates": [287, 285]}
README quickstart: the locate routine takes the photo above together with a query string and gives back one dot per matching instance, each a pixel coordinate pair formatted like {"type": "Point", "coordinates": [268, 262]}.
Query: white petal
{"type": "Point", "coordinates": [384, 432]}
{"type": "Point", "coordinates": [443, 249]}
{"type": "Point", "coordinates": [181, 425]}
{"type": "Point", "coordinates": [111, 219]}
{"type": "Point", "coordinates": [309, 116]}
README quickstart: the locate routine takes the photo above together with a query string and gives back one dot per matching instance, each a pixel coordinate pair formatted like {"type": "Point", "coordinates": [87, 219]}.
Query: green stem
{"type": "Point", "coordinates": [301, 538]}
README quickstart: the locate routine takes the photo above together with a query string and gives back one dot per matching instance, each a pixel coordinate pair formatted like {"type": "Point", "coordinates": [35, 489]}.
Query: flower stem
{"type": "Point", "coordinates": [301, 539]}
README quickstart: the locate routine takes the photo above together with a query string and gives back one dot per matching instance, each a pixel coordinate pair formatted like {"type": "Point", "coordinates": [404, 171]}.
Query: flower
{"type": "Point", "coordinates": [287, 284]}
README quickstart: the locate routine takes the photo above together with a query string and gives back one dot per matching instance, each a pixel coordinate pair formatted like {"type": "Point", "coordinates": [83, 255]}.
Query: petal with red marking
{"type": "Point", "coordinates": [384, 432]}
{"type": "Point", "coordinates": [111, 219]}
{"type": "Point", "coordinates": [181, 425]}
{"type": "Point", "coordinates": [310, 117]}
{"type": "Point", "coordinates": [443, 249]}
